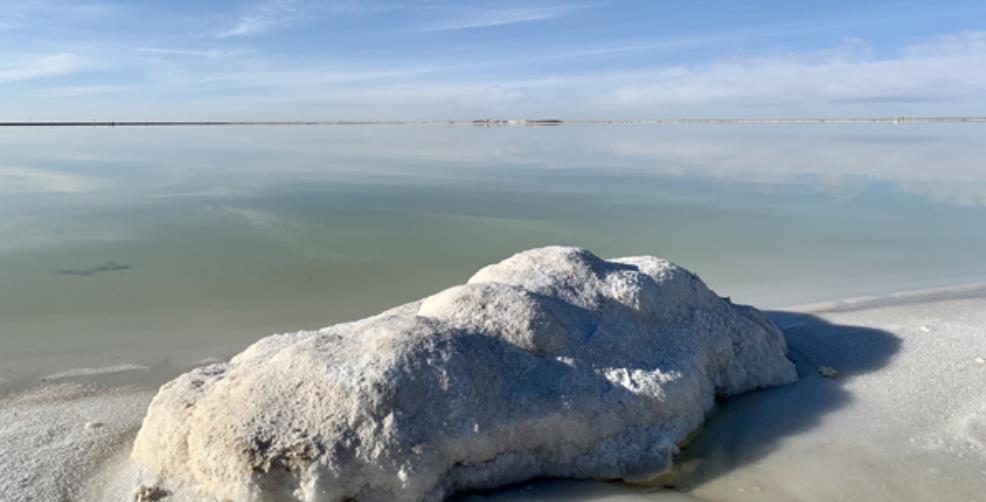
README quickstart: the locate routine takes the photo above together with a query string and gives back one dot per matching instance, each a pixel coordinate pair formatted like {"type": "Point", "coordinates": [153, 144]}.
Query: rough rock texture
{"type": "Point", "coordinates": [553, 362]}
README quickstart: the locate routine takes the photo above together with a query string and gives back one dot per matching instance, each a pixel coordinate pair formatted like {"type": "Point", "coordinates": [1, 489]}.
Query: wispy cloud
{"type": "Point", "coordinates": [42, 66]}
{"type": "Point", "coordinates": [487, 18]}
{"type": "Point", "coordinates": [39, 14]}
{"type": "Point", "coordinates": [295, 78]}
{"type": "Point", "coordinates": [71, 91]}
{"type": "Point", "coordinates": [249, 25]}
{"type": "Point", "coordinates": [273, 15]}
{"type": "Point", "coordinates": [660, 43]}
{"type": "Point", "coordinates": [261, 19]}
{"type": "Point", "coordinates": [423, 60]}
{"type": "Point", "coordinates": [846, 79]}
{"type": "Point", "coordinates": [892, 99]}
{"type": "Point", "coordinates": [195, 53]}
{"type": "Point", "coordinates": [969, 42]}
{"type": "Point", "coordinates": [941, 69]}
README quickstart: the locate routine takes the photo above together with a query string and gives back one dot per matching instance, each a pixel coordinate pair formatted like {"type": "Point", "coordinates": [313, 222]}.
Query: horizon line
{"type": "Point", "coordinates": [489, 122]}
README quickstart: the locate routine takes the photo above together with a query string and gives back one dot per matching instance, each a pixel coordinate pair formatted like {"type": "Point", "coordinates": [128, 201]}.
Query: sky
{"type": "Point", "coordinates": [437, 60]}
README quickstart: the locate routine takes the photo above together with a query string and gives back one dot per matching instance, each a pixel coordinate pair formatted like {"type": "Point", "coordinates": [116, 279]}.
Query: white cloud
{"type": "Point", "coordinates": [261, 20]}
{"type": "Point", "coordinates": [485, 18]}
{"type": "Point", "coordinates": [938, 76]}
{"type": "Point", "coordinates": [969, 43]}
{"type": "Point", "coordinates": [942, 76]}
{"type": "Point", "coordinates": [311, 77]}
{"type": "Point", "coordinates": [661, 45]}
{"type": "Point", "coordinates": [195, 53]}
{"type": "Point", "coordinates": [248, 25]}
{"type": "Point", "coordinates": [276, 14]}
{"type": "Point", "coordinates": [48, 65]}
{"type": "Point", "coordinates": [69, 91]}
{"type": "Point", "coordinates": [946, 68]}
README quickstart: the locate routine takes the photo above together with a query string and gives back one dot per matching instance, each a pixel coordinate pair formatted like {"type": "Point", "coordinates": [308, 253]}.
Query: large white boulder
{"type": "Point", "coordinates": [553, 362]}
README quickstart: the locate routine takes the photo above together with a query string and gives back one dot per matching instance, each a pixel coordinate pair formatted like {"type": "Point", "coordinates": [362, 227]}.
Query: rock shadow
{"type": "Point", "coordinates": [745, 428]}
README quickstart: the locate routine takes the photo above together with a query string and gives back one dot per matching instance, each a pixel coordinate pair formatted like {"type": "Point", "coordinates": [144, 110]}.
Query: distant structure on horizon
{"type": "Point", "coordinates": [521, 122]}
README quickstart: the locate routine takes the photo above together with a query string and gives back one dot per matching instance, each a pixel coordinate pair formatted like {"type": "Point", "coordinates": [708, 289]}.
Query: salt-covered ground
{"type": "Point", "coordinates": [905, 420]}
{"type": "Point", "coordinates": [54, 438]}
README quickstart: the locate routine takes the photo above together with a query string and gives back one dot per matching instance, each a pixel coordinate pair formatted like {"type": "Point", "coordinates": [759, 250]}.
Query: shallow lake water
{"type": "Point", "coordinates": [192, 242]}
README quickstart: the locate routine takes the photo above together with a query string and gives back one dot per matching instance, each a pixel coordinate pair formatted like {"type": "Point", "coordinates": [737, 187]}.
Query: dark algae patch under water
{"type": "Point", "coordinates": [110, 266]}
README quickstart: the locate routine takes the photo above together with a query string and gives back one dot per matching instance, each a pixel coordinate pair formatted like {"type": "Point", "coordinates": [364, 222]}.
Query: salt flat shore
{"type": "Point", "coordinates": [904, 420]}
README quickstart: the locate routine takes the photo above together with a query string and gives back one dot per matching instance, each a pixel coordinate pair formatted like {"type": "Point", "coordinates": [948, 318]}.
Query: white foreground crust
{"type": "Point", "coordinates": [552, 362]}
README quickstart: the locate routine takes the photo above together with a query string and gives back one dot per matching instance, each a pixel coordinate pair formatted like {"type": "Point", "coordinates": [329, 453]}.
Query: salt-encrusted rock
{"type": "Point", "coordinates": [553, 362]}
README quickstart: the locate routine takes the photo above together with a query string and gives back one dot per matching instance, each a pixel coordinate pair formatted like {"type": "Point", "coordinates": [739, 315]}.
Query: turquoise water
{"type": "Point", "coordinates": [193, 242]}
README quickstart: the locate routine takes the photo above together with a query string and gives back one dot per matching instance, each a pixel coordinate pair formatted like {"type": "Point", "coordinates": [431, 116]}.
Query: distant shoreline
{"type": "Point", "coordinates": [897, 120]}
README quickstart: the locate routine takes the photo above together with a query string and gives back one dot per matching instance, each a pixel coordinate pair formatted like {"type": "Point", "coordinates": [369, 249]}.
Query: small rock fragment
{"type": "Point", "coordinates": [94, 425]}
{"type": "Point", "coordinates": [828, 372]}
{"type": "Point", "coordinates": [981, 360]}
{"type": "Point", "coordinates": [149, 494]}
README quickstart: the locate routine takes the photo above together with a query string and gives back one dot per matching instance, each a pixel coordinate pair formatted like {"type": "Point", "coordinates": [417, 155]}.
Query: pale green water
{"type": "Point", "coordinates": [233, 233]}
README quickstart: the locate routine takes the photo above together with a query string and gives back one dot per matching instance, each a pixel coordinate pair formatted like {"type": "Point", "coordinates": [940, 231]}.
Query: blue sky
{"type": "Point", "coordinates": [401, 59]}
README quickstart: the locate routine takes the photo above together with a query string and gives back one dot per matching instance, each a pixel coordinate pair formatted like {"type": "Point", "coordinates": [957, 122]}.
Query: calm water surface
{"type": "Point", "coordinates": [193, 242]}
